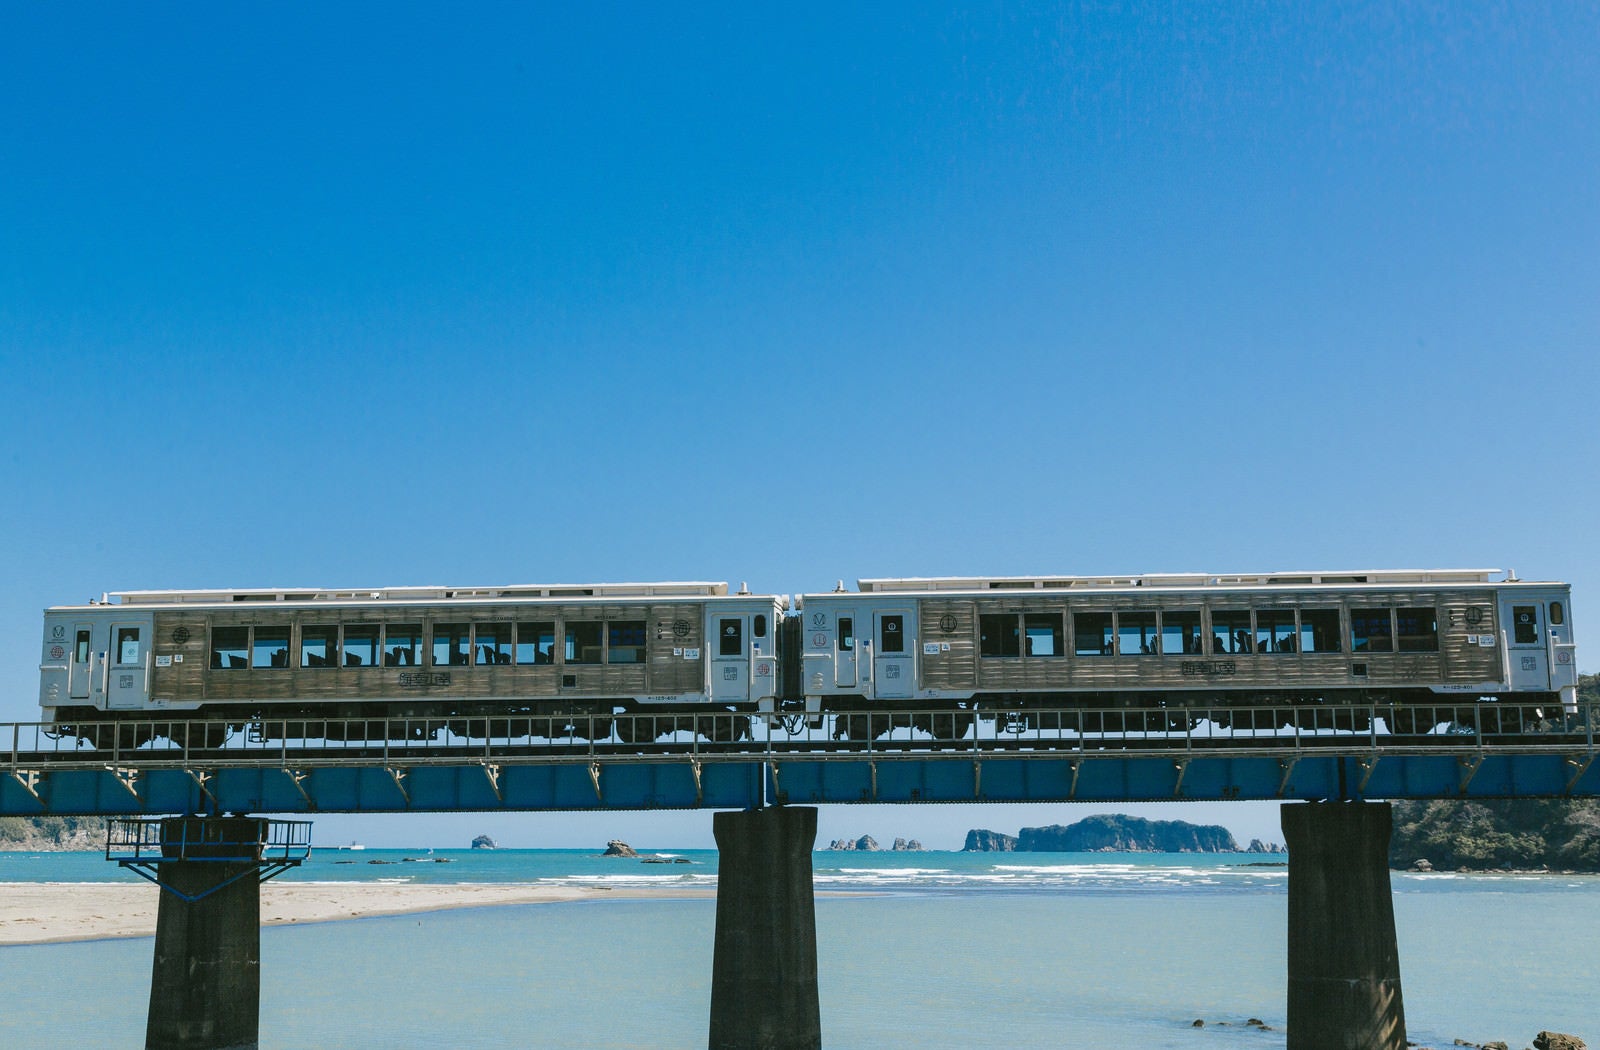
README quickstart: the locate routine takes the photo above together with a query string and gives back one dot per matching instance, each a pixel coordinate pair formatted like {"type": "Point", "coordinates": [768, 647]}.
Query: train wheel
{"type": "Point", "coordinates": [204, 736]}
{"type": "Point", "coordinates": [126, 736]}
{"type": "Point", "coordinates": [950, 727]}
{"type": "Point", "coordinates": [723, 728]}
{"type": "Point", "coordinates": [1405, 721]}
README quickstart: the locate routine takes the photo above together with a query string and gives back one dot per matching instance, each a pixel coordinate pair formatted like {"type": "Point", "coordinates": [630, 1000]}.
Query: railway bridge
{"type": "Point", "coordinates": [186, 804]}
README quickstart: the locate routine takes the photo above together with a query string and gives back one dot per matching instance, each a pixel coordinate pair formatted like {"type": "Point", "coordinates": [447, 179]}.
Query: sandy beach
{"type": "Point", "coordinates": [43, 912]}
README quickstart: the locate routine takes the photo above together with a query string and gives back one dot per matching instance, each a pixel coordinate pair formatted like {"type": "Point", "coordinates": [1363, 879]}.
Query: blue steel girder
{"type": "Point", "coordinates": [464, 787]}
{"type": "Point", "coordinates": [1108, 776]}
{"type": "Point", "coordinates": [1454, 750]}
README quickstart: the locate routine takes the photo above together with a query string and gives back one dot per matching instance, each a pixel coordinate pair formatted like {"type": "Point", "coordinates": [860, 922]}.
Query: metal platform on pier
{"type": "Point", "coordinates": [738, 762]}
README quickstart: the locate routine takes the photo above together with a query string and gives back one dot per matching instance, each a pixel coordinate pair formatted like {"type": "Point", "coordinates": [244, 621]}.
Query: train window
{"type": "Point", "coordinates": [625, 642]}
{"type": "Point", "coordinates": [759, 626]}
{"type": "Point", "coordinates": [80, 654]}
{"type": "Point", "coordinates": [1136, 634]}
{"type": "Point", "coordinates": [1180, 632]}
{"type": "Point", "coordinates": [1275, 631]}
{"type": "Point", "coordinates": [1044, 634]}
{"type": "Point", "coordinates": [402, 645]}
{"type": "Point", "coordinates": [1525, 623]}
{"type": "Point", "coordinates": [492, 643]}
{"type": "Point", "coordinates": [1319, 630]}
{"type": "Point", "coordinates": [997, 635]}
{"type": "Point", "coordinates": [1417, 629]}
{"type": "Point", "coordinates": [536, 642]}
{"type": "Point", "coordinates": [730, 637]}
{"type": "Point", "coordinates": [269, 646]}
{"type": "Point", "coordinates": [451, 647]}
{"type": "Point", "coordinates": [1091, 634]}
{"type": "Point", "coordinates": [1370, 631]}
{"type": "Point", "coordinates": [1231, 631]}
{"type": "Point", "coordinates": [847, 634]}
{"type": "Point", "coordinates": [1558, 615]}
{"type": "Point", "coordinates": [361, 645]}
{"type": "Point", "coordinates": [230, 647]}
{"type": "Point", "coordinates": [583, 641]}
{"type": "Point", "coordinates": [892, 634]}
{"type": "Point", "coordinates": [127, 647]}
{"type": "Point", "coordinates": [319, 645]}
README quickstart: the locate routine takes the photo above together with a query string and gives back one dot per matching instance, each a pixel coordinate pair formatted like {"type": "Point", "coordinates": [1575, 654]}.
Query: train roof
{"type": "Point", "coordinates": [1189, 580]}
{"type": "Point", "coordinates": [417, 594]}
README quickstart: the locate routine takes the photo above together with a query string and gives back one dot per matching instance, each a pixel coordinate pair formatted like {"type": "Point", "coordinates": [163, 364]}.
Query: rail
{"type": "Point", "coordinates": [725, 737]}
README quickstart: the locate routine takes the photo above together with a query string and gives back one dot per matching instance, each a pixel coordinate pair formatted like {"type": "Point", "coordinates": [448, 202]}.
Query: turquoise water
{"type": "Point", "coordinates": [950, 950]}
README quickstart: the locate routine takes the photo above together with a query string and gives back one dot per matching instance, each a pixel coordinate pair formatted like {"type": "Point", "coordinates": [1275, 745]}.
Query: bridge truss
{"type": "Point", "coordinates": [726, 761]}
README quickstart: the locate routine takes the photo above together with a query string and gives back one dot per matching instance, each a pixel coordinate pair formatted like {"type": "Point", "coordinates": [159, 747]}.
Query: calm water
{"type": "Point", "coordinates": [952, 950]}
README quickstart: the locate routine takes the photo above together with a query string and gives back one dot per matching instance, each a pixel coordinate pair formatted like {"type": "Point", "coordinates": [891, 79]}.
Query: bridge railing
{"type": "Point", "coordinates": [724, 735]}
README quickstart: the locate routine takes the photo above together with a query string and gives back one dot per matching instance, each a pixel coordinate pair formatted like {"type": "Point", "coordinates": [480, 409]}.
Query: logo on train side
{"type": "Point", "coordinates": [180, 635]}
{"type": "Point", "coordinates": [58, 632]}
{"type": "Point", "coordinates": [1208, 667]}
{"type": "Point", "coordinates": [947, 623]}
{"type": "Point", "coordinates": [410, 680]}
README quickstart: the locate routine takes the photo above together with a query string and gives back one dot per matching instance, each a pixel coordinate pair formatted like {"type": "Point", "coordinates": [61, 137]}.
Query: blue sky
{"type": "Point", "coordinates": [382, 294]}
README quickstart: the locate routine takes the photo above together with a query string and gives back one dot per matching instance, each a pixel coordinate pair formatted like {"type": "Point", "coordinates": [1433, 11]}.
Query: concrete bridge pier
{"type": "Point", "coordinates": [764, 973]}
{"type": "Point", "coordinates": [205, 986]}
{"type": "Point", "coordinates": [1344, 964]}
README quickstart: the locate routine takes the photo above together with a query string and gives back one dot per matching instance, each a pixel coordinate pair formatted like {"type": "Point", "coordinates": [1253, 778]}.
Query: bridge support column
{"type": "Point", "coordinates": [1344, 964]}
{"type": "Point", "coordinates": [205, 986]}
{"type": "Point", "coordinates": [764, 973]}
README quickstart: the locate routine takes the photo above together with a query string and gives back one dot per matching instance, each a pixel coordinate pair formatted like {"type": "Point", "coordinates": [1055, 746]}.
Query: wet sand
{"type": "Point", "coordinates": [43, 912]}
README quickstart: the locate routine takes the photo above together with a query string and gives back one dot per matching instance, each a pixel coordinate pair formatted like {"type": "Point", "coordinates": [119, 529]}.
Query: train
{"type": "Point", "coordinates": [935, 653]}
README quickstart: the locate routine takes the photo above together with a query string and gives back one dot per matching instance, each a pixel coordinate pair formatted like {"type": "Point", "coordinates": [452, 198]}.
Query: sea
{"type": "Point", "coordinates": [924, 950]}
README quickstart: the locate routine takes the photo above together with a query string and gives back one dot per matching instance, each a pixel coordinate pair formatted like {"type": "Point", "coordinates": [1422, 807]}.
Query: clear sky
{"type": "Point", "coordinates": [299, 295]}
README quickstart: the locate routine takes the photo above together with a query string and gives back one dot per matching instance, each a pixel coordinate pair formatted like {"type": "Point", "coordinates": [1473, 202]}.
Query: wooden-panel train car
{"type": "Point", "coordinates": [449, 657]}
{"type": "Point", "coordinates": [1411, 639]}
{"type": "Point", "coordinates": [434, 654]}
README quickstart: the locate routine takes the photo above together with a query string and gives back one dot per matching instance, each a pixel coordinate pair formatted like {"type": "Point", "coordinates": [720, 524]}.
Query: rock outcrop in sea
{"type": "Point", "coordinates": [865, 843]}
{"type": "Point", "coordinates": [982, 840]}
{"type": "Point", "coordinates": [1257, 846]}
{"type": "Point", "coordinates": [618, 848]}
{"type": "Point", "coordinates": [484, 842]}
{"type": "Point", "coordinates": [1113, 833]}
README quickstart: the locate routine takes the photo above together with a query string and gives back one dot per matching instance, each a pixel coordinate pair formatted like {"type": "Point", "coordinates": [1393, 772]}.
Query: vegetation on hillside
{"type": "Point", "coordinates": [51, 832]}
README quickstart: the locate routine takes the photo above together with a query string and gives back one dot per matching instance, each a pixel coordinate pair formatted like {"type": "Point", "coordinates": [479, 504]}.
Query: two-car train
{"type": "Point", "coordinates": [450, 657]}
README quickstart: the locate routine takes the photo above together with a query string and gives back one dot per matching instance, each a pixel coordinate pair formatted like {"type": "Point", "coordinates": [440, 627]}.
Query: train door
{"type": "Point", "coordinates": [1563, 653]}
{"type": "Point", "coordinates": [1523, 623]}
{"type": "Point", "coordinates": [844, 645]}
{"type": "Point", "coordinates": [81, 664]}
{"type": "Point", "coordinates": [893, 656]}
{"type": "Point", "coordinates": [729, 636]}
{"type": "Point", "coordinates": [129, 659]}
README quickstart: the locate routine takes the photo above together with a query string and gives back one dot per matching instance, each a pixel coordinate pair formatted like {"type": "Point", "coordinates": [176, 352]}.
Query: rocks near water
{"type": "Point", "coordinates": [1117, 833]}
{"type": "Point", "coordinates": [868, 844]}
{"type": "Point", "coordinates": [618, 848]}
{"type": "Point", "coordinates": [484, 842]}
{"type": "Point", "coordinates": [1557, 1041]}
{"type": "Point", "coordinates": [1542, 1041]}
{"type": "Point", "coordinates": [982, 840]}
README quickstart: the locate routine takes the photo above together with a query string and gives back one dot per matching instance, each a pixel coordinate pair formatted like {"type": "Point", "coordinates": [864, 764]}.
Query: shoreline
{"type": "Point", "coordinates": [64, 912]}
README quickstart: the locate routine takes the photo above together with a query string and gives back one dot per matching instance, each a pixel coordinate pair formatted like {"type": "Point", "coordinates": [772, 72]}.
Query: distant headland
{"type": "Point", "coordinates": [1116, 833]}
